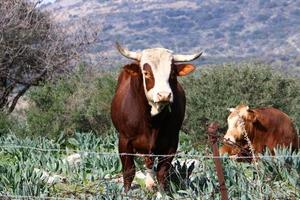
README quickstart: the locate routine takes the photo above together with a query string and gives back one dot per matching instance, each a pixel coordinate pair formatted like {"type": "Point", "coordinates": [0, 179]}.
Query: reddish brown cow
{"type": "Point", "coordinates": [265, 127]}
{"type": "Point", "coordinates": [148, 109]}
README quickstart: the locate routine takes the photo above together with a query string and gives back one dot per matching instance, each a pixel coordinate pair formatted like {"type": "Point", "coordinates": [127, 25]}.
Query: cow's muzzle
{"type": "Point", "coordinates": [229, 139]}
{"type": "Point", "coordinates": [164, 97]}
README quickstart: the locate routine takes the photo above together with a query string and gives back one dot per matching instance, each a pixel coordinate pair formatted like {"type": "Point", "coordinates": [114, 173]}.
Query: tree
{"type": "Point", "coordinates": [32, 49]}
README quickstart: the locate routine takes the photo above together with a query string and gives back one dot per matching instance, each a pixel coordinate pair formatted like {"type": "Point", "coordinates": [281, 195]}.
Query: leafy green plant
{"type": "Point", "coordinates": [98, 174]}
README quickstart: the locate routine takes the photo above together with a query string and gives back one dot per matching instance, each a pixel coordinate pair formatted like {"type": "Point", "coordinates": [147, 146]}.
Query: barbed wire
{"type": "Point", "coordinates": [131, 196]}
{"type": "Point", "coordinates": [141, 155]}
{"type": "Point", "coordinates": [8, 197]}
{"type": "Point", "coordinates": [124, 196]}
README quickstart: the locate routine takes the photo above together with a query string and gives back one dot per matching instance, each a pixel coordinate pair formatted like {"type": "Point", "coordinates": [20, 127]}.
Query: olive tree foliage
{"type": "Point", "coordinates": [32, 49]}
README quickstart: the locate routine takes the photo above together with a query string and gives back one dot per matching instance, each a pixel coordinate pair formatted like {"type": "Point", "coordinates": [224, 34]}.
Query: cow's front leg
{"type": "Point", "coordinates": [163, 168]}
{"type": "Point", "coordinates": [149, 162]}
{"type": "Point", "coordinates": [128, 166]}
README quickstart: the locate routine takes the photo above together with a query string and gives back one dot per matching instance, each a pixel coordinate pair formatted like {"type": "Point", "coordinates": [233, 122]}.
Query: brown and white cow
{"type": "Point", "coordinates": [265, 127]}
{"type": "Point", "coordinates": [148, 109]}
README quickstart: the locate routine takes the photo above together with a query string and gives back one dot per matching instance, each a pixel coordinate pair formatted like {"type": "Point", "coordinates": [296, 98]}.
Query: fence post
{"type": "Point", "coordinates": [212, 134]}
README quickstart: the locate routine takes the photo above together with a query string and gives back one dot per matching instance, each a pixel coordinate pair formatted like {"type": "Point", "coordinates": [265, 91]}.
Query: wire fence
{"type": "Point", "coordinates": [181, 155]}
{"type": "Point", "coordinates": [4, 197]}
{"type": "Point", "coordinates": [125, 196]}
{"type": "Point", "coordinates": [213, 138]}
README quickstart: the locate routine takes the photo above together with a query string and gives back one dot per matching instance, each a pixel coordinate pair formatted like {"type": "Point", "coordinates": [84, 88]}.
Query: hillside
{"type": "Point", "coordinates": [230, 30]}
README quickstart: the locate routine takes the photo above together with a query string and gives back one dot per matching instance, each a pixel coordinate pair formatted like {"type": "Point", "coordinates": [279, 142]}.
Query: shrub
{"type": "Point", "coordinates": [80, 102]}
{"type": "Point", "coordinates": [210, 91]}
{"type": "Point", "coordinates": [5, 123]}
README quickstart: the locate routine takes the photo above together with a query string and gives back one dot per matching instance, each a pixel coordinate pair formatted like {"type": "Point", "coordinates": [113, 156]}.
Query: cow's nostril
{"type": "Point", "coordinates": [164, 96]}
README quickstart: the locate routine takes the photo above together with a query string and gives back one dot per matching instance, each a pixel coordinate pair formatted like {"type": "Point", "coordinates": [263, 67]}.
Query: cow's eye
{"type": "Point", "coordinates": [147, 74]}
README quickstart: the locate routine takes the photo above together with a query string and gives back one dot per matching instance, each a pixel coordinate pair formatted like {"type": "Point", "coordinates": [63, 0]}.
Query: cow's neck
{"type": "Point", "coordinates": [160, 118]}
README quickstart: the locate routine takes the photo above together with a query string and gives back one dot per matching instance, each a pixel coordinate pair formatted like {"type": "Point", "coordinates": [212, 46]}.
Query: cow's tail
{"type": "Point", "coordinates": [296, 145]}
{"type": "Point", "coordinates": [298, 138]}
{"type": "Point", "coordinates": [296, 142]}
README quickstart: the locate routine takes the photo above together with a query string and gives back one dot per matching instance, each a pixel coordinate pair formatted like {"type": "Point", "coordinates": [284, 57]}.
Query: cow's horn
{"type": "Point", "coordinates": [231, 109]}
{"type": "Point", "coordinates": [128, 54]}
{"type": "Point", "coordinates": [186, 58]}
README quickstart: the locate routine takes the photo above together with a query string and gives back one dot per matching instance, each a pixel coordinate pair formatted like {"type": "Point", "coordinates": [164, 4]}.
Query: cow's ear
{"type": "Point", "coordinates": [133, 69]}
{"type": "Point", "coordinates": [251, 116]}
{"type": "Point", "coordinates": [184, 69]}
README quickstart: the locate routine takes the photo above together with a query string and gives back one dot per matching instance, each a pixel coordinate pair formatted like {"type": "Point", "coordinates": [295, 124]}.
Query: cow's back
{"type": "Point", "coordinates": [273, 128]}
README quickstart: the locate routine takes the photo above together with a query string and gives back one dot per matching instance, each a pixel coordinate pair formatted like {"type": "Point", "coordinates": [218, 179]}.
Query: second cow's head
{"type": "Point", "coordinates": [240, 121]}
{"type": "Point", "coordinates": [158, 67]}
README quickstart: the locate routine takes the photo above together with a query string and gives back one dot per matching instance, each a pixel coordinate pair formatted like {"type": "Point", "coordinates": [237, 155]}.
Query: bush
{"type": "Point", "coordinates": [80, 102]}
{"type": "Point", "coordinates": [210, 91]}
{"type": "Point", "coordinates": [5, 123]}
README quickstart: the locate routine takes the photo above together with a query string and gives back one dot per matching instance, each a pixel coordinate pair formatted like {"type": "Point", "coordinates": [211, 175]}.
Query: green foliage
{"type": "Point", "coordinates": [210, 91]}
{"type": "Point", "coordinates": [80, 102]}
{"type": "Point", "coordinates": [98, 173]}
{"type": "Point", "coordinates": [9, 123]}
{"type": "Point", "coordinates": [5, 123]}
{"type": "Point", "coordinates": [18, 174]}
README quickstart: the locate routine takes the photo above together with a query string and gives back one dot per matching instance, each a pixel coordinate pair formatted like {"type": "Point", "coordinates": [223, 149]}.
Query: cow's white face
{"type": "Point", "coordinates": [156, 68]}
{"type": "Point", "coordinates": [234, 131]}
